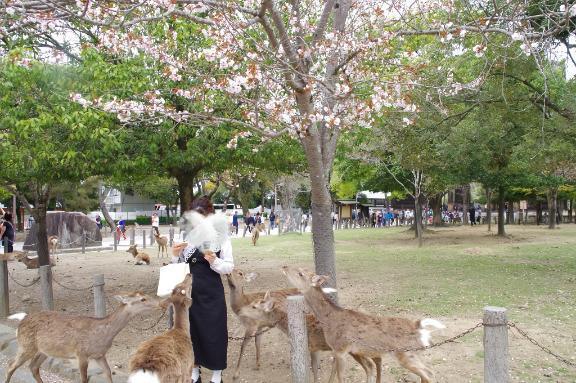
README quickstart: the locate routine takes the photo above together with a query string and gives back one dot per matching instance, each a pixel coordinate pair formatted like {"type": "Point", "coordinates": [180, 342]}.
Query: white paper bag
{"type": "Point", "coordinates": [170, 276]}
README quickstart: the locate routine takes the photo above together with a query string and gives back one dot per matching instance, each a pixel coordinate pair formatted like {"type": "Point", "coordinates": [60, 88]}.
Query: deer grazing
{"type": "Point", "coordinates": [30, 262]}
{"type": "Point", "coordinates": [141, 257]}
{"type": "Point", "coordinates": [238, 300]}
{"type": "Point", "coordinates": [364, 336]}
{"type": "Point", "coordinates": [162, 245]}
{"type": "Point", "coordinates": [53, 245]}
{"type": "Point", "coordinates": [168, 356]}
{"type": "Point", "coordinates": [58, 335]}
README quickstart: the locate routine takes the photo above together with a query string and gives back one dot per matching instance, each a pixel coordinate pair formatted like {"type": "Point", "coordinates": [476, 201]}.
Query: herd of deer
{"type": "Point", "coordinates": [168, 357]}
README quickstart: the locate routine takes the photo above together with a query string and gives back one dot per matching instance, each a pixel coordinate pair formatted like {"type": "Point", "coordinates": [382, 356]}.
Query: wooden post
{"type": "Point", "coordinates": [171, 235]}
{"type": "Point", "coordinates": [99, 297]}
{"type": "Point", "coordinates": [495, 345]}
{"type": "Point", "coordinates": [46, 287]}
{"type": "Point", "coordinates": [298, 339]}
{"type": "Point", "coordinates": [83, 243]}
{"type": "Point", "coordinates": [152, 236]}
{"type": "Point", "coordinates": [116, 240]}
{"type": "Point", "coordinates": [143, 238]}
{"type": "Point", "coordinates": [4, 290]}
{"type": "Point", "coordinates": [133, 236]}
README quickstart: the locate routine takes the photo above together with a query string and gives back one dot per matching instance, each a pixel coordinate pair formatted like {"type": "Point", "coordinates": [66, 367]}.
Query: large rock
{"type": "Point", "coordinates": [68, 226]}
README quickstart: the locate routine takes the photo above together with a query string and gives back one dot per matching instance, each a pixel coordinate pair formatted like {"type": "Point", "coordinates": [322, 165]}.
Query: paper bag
{"type": "Point", "coordinates": [170, 276]}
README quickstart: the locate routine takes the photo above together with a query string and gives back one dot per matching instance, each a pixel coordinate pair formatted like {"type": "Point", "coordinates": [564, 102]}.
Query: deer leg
{"type": "Point", "coordinates": [83, 366]}
{"type": "Point", "coordinates": [242, 347]}
{"type": "Point", "coordinates": [315, 366]}
{"type": "Point", "coordinates": [367, 364]}
{"type": "Point", "coordinates": [340, 360]}
{"type": "Point", "coordinates": [333, 372]}
{"type": "Point", "coordinates": [103, 363]}
{"type": "Point", "coordinates": [414, 364]}
{"type": "Point", "coordinates": [35, 364]}
{"type": "Point", "coordinates": [378, 362]}
{"type": "Point", "coordinates": [257, 342]}
{"type": "Point", "coordinates": [22, 357]}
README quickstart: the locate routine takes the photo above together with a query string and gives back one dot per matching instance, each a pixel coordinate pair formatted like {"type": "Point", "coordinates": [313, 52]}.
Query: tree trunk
{"type": "Point", "coordinates": [185, 190]}
{"type": "Point", "coordinates": [42, 233]}
{"type": "Point", "coordinates": [552, 207]}
{"type": "Point", "coordinates": [465, 203]}
{"type": "Point", "coordinates": [103, 208]}
{"type": "Point", "coordinates": [501, 211]}
{"type": "Point", "coordinates": [322, 233]}
{"type": "Point", "coordinates": [418, 220]}
{"type": "Point", "coordinates": [489, 208]}
{"type": "Point", "coordinates": [538, 213]}
{"type": "Point", "coordinates": [510, 216]}
{"type": "Point", "coordinates": [570, 208]}
{"type": "Point", "coordinates": [436, 204]}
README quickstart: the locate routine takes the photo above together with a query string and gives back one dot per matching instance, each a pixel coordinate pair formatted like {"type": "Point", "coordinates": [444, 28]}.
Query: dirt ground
{"type": "Point", "coordinates": [461, 361]}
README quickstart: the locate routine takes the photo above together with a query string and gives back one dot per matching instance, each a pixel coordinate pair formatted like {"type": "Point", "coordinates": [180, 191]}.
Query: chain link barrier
{"type": "Point", "coordinates": [55, 280]}
{"type": "Point", "coordinates": [238, 338]}
{"type": "Point", "coordinates": [540, 346]}
{"type": "Point", "coordinates": [22, 284]}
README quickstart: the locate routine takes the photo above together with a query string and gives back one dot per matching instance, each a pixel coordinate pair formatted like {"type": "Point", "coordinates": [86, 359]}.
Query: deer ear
{"type": "Point", "coordinates": [319, 280]}
{"type": "Point", "coordinates": [250, 277]}
{"type": "Point", "coordinates": [122, 299]}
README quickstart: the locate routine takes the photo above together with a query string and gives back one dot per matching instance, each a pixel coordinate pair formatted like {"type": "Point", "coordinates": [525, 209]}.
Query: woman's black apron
{"type": "Point", "coordinates": [208, 317]}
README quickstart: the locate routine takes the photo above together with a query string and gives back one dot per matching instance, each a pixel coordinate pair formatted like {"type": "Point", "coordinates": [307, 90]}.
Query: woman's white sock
{"type": "Point", "coordinates": [216, 376]}
{"type": "Point", "coordinates": [195, 374]}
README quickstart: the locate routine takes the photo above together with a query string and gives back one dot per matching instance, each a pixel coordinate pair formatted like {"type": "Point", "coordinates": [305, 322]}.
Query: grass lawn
{"type": "Point", "coordinates": [459, 270]}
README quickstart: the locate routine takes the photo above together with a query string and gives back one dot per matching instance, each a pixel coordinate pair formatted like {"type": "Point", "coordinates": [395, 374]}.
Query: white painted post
{"type": "Point", "coordinates": [99, 297]}
{"type": "Point", "coordinates": [495, 345]}
{"type": "Point", "coordinates": [143, 238]}
{"type": "Point", "coordinates": [116, 241]}
{"type": "Point", "coordinates": [46, 287]}
{"type": "Point", "coordinates": [298, 339]}
{"type": "Point", "coordinates": [133, 236]}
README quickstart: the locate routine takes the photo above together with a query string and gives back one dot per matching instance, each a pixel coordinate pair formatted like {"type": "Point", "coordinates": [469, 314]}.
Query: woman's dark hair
{"type": "Point", "coordinates": [8, 216]}
{"type": "Point", "coordinates": [202, 205]}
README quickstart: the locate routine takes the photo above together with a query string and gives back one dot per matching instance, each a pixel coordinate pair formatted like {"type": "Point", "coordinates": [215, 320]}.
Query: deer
{"type": "Point", "coordinates": [238, 300]}
{"type": "Point", "coordinates": [255, 234]}
{"type": "Point", "coordinates": [31, 262]}
{"type": "Point", "coordinates": [268, 310]}
{"type": "Point", "coordinates": [68, 336]}
{"type": "Point", "coordinates": [53, 245]}
{"type": "Point", "coordinates": [167, 357]}
{"type": "Point", "coordinates": [141, 257]}
{"type": "Point", "coordinates": [162, 245]}
{"type": "Point", "coordinates": [362, 335]}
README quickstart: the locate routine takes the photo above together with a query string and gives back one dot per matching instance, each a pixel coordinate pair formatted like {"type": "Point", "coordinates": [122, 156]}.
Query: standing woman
{"type": "Point", "coordinates": [208, 316]}
{"type": "Point", "coordinates": [7, 232]}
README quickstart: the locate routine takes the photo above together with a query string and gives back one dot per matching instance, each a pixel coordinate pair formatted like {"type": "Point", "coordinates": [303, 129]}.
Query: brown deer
{"type": "Point", "coordinates": [162, 245]}
{"type": "Point", "coordinates": [53, 245]}
{"type": "Point", "coordinates": [256, 232]}
{"type": "Point", "coordinates": [362, 335]}
{"type": "Point", "coordinates": [58, 335]}
{"type": "Point", "coordinates": [168, 356]}
{"type": "Point", "coordinates": [30, 262]}
{"type": "Point", "coordinates": [141, 257]}
{"type": "Point", "coordinates": [269, 311]}
{"type": "Point", "coordinates": [239, 299]}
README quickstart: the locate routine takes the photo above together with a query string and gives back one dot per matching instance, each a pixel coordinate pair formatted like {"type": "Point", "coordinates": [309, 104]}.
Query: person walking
{"type": "Point", "coordinates": [472, 212]}
{"type": "Point", "coordinates": [272, 219]}
{"type": "Point", "coordinates": [249, 223]}
{"type": "Point", "coordinates": [208, 313]}
{"type": "Point", "coordinates": [156, 223]}
{"type": "Point", "coordinates": [235, 222]}
{"type": "Point", "coordinates": [7, 232]}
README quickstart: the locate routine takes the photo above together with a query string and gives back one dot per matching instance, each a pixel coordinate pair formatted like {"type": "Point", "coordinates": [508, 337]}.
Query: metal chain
{"type": "Point", "coordinates": [154, 325]}
{"type": "Point", "coordinates": [543, 348]}
{"type": "Point", "coordinates": [34, 281]}
{"type": "Point", "coordinates": [236, 338]}
{"type": "Point", "coordinates": [71, 288]}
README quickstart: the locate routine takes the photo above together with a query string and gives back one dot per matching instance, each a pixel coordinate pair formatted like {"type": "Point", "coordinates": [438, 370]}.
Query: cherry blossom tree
{"type": "Point", "coordinates": [306, 68]}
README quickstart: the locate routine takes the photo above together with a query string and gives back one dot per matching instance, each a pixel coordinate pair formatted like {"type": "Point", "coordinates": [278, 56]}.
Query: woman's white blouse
{"type": "Point", "coordinates": [222, 265]}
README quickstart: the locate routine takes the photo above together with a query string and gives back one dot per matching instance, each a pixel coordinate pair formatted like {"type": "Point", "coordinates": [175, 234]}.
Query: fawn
{"type": "Point", "coordinates": [162, 245]}
{"type": "Point", "coordinates": [141, 257]}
